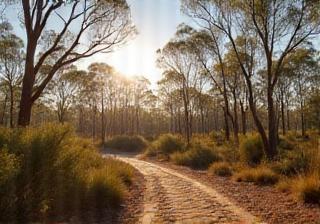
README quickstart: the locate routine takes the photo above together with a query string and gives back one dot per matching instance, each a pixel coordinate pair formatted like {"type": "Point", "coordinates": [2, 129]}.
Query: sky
{"type": "Point", "coordinates": [156, 21]}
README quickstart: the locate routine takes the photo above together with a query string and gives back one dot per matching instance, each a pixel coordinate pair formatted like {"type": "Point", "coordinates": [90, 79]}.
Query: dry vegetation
{"type": "Point", "coordinates": [48, 173]}
{"type": "Point", "coordinates": [295, 170]}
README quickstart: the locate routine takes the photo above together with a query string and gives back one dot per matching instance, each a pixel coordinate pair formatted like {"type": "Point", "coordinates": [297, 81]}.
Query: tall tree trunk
{"type": "Point", "coordinates": [256, 119]}
{"type": "Point", "coordinates": [4, 109]}
{"type": "Point", "coordinates": [137, 120]}
{"type": "Point", "coordinates": [94, 121]}
{"type": "Point", "coordinates": [103, 126]}
{"type": "Point", "coordinates": [11, 105]}
{"type": "Point", "coordinates": [27, 85]}
{"type": "Point", "coordinates": [303, 129]}
{"type": "Point", "coordinates": [235, 122]}
{"type": "Point", "coordinates": [202, 121]}
{"type": "Point", "coordinates": [243, 119]}
{"type": "Point", "coordinates": [283, 117]}
{"type": "Point", "coordinates": [226, 124]}
{"type": "Point", "coordinates": [288, 114]}
{"type": "Point", "coordinates": [272, 126]}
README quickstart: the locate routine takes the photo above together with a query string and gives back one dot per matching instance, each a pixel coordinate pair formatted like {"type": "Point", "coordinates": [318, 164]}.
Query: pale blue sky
{"type": "Point", "coordinates": [156, 21]}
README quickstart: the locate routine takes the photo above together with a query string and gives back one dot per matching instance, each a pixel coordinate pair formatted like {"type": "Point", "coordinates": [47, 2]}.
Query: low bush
{"type": "Point", "coordinates": [307, 188]}
{"type": "Point", "coordinates": [251, 150]}
{"type": "Point", "coordinates": [197, 157]}
{"type": "Point", "coordinates": [229, 153]}
{"type": "Point", "coordinates": [221, 169]}
{"type": "Point", "coordinates": [217, 137]}
{"type": "Point", "coordinates": [294, 162]}
{"type": "Point", "coordinates": [127, 143]}
{"type": "Point", "coordinates": [285, 144]}
{"type": "Point", "coordinates": [9, 168]}
{"type": "Point", "coordinates": [284, 185]}
{"type": "Point", "coordinates": [4, 136]}
{"type": "Point", "coordinates": [165, 145]}
{"type": "Point", "coordinates": [259, 176]}
{"type": "Point", "coordinates": [48, 172]}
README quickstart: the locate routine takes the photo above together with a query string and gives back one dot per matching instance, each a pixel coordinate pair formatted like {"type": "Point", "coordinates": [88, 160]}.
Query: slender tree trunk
{"type": "Point", "coordinates": [303, 129]}
{"type": "Point", "coordinates": [202, 121]}
{"type": "Point", "coordinates": [4, 109]}
{"type": "Point", "coordinates": [243, 119]}
{"type": "Point", "coordinates": [103, 125]}
{"type": "Point", "coordinates": [272, 132]}
{"type": "Point", "coordinates": [256, 119]}
{"type": "Point", "coordinates": [226, 124]}
{"type": "Point", "coordinates": [11, 105]}
{"type": "Point", "coordinates": [283, 117]}
{"type": "Point", "coordinates": [288, 115]}
{"type": "Point", "coordinates": [94, 121]}
{"type": "Point", "coordinates": [235, 122]}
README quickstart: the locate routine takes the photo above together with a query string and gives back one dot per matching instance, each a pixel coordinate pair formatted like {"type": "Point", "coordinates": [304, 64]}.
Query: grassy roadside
{"type": "Point", "coordinates": [48, 172]}
{"type": "Point", "coordinates": [296, 169]}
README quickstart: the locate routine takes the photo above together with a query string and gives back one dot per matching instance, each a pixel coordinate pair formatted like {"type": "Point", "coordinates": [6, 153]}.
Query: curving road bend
{"type": "Point", "coordinates": [171, 197]}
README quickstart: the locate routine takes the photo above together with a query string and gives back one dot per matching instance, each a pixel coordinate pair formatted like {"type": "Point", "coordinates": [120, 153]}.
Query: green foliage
{"type": "Point", "coordinates": [217, 137]}
{"type": "Point", "coordinates": [197, 157]}
{"type": "Point", "coordinates": [314, 110]}
{"type": "Point", "coordinates": [165, 145]}
{"type": "Point", "coordinates": [221, 169]}
{"type": "Point", "coordinates": [9, 168]}
{"type": "Point", "coordinates": [4, 136]}
{"type": "Point", "coordinates": [47, 172]}
{"type": "Point", "coordinates": [294, 162]}
{"type": "Point", "coordinates": [127, 143]}
{"type": "Point", "coordinates": [251, 150]}
{"type": "Point", "coordinates": [285, 144]}
{"type": "Point", "coordinates": [259, 176]}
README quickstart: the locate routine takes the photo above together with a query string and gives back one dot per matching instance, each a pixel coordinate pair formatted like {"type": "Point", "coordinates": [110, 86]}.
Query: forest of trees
{"type": "Point", "coordinates": [244, 71]}
{"type": "Point", "coordinates": [246, 66]}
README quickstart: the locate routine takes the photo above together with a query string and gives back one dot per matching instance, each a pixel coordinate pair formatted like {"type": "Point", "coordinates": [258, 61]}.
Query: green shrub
{"type": "Point", "coordinates": [217, 137]}
{"type": "Point", "coordinates": [229, 153]}
{"type": "Point", "coordinates": [4, 136]}
{"type": "Point", "coordinates": [104, 190]}
{"type": "Point", "coordinates": [165, 145]}
{"type": "Point", "coordinates": [197, 157]}
{"type": "Point", "coordinates": [285, 144]}
{"type": "Point", "coordinates": [307, 188]}
{"type": "Point", "coordinates": [9, 168]}
{"type": "Point", "coordinates": [52, 173]}
{"type": "Point", "coordinates": [251, 150]}
{"type": "Point", "coordinates": [127, 143]}
{"type": "Point", "coordinates": [294, 162]}
{"type": "Point", "coordinates": [259, 176]}
{"type": "Point", "coordinates": [221, 169]}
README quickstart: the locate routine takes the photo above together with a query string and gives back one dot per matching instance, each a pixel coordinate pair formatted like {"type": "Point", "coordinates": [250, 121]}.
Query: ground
{"type": "Point", "coordinates": [167, 193]}
{"type": "Point", "coordinates": [171, 197]}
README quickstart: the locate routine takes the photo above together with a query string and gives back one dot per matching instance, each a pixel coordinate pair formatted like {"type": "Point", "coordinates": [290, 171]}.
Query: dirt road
{"type": "Point", "coordinates": [171, 197]}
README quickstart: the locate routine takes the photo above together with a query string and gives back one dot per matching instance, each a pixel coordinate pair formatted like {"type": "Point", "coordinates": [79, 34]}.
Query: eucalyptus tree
{"type": "Point", "coordinates": [279, 26]}
{"type": "Point", "coordinates": [303, 69]}
{"type": "Point", "coordinates": [179, 61]}
{"type": "Point", "coordinates": [64, 89]}
{"type": "Point", "coordinates": [72, 30]}
{"type": "Point", "coordinates": [103, 76]}
{"type": "Point", "coordinates": [11, 64]}
{"type": "Point", "coordinates": [210, 46]}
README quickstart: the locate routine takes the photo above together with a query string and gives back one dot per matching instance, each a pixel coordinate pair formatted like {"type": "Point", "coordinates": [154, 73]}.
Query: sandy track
{"type": "Point", "coordinates": [171, 197]}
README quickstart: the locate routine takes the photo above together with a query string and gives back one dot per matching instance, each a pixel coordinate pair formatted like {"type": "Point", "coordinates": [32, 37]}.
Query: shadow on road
{"type": "Point", "coordinates": [117, 153]}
